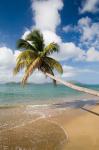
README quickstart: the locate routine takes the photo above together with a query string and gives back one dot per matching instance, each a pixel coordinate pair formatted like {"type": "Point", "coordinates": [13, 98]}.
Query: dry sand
{"type": "Point", "coordinates": [70, 129]}
{"type": "Point", "coordinates": [82, 129]}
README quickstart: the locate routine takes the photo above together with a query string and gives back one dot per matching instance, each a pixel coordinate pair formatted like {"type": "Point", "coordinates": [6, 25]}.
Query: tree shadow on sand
{"type": "Point", "coordinates": [79, 104]}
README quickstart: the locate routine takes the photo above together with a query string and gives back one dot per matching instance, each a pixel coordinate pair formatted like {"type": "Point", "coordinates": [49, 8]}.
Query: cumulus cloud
{"type": "Point", "coordinates": [48, 22]}
{"type": "Point", "coordinates": [90, 6]}
{"type": "Point", "coordinates": [92, 55]}
{"type": "Point", "coordinates": [89, 32]}
{"type": "Point", "coordinates": [50, 36]}
{"type": "Point", "coordinates": [69, 50]}
{"type": "Point", "coordinates": [8, 61]}
{"type": "Point", "coordinates": [70, 71]}
{"type": "Point", "coordinates": [46, 13]}
{"type": "Point", "coordinates": [88, 29]}
{"type": "Point", "coordinates": [68, 28]}
{"type": "Point", "coordinates": [25, 33]}
{"type": "Point", "coordinates": [6, 57]}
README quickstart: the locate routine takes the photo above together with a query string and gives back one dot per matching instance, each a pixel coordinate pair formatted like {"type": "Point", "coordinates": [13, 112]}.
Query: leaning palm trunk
{"type": "Point", "coordinates": [38, 54]}
{"type": "Point", "coordinates": [31, 69]}
{"type": "Point", "coordinates": [75, 87]}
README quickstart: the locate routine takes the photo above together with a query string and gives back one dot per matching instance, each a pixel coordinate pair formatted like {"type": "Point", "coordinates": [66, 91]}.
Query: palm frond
{"type": "Point", "coordinates": [52, 47]}
{"type": "Point", "coordinates": [46, 68]}
{"type": "Point", "coordinates": [34, 65]}
{"type": "Point", "coordinates": [54, 64]}
{"type": "Point", "coordinates": [23, 44]}
{"type": "Point", "coordinates": [24, 59]}
{"type": "Point", "coordinates": [19, 66]}
{"type": "Point", "coordinates": [35, 55]}
{"type": "Point", "coordinates": [36, 38]}
{"type": "Point", "coordinates": [27, 54]}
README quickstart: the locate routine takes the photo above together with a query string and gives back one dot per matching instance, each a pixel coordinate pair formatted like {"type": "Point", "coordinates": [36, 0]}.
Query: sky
{"type": "Point", "coordinates": [73, 24]}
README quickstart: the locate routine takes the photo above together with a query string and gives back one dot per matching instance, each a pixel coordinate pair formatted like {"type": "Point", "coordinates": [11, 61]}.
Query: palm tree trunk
{"type": "Point", "coordinates": [95, 113]}
{"type": "Point", "coordinates": [75, 87]}
{"type": "Point", "coordinates": [30, 70]}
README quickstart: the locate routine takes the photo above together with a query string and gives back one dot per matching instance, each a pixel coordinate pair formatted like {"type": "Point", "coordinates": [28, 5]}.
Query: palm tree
{"type": "Point", "coordinates": [35, 55]}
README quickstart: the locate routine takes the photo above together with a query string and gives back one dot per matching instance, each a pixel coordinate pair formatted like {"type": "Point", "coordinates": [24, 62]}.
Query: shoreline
{"type": "Point", "coordinates": [52, 102]}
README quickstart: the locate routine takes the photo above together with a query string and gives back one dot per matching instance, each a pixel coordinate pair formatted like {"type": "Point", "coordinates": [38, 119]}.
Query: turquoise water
{"type": "Point", "coordinates": [13, 93]}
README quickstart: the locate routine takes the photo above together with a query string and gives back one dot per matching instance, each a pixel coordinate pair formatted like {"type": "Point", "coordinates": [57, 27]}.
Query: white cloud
{"type": "Point", "coordinates": [47, 23]}
{"type": "Point", "coordinates": [68, 28]}
{"type": "Point", "coordinates": [47, 18]}
{"type": "Point", "coordinates": [90, 6]}
{"type": "Point", "coordinates": [92, 55]}
{"type": "Point", "coordinates": [25, 33]}
{"type": "Point", "coordinates": [88, 29]}
{"type": "Point", "coordinates": [6, 57]}
{"type": "Point", "coordinates": [85, 21]}
{"type": "Point", "coordinates": [69, 51]}
{"type": "Point", "coordinates": [46, 13]}
{"type": "Point", "coordinates": [89, 32]}
{"type": "Point", "coordinates": [8, 61]}
{"type": "Point", "coordinates": [50, 36]}
{"type": "Point", "coordinates": [7, 64]}
{"type": "Point", "coordinates": [70, 71]}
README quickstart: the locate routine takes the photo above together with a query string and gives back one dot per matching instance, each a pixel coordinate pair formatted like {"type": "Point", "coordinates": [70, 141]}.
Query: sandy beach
{"type": "Point", "coordinates": [82, 129]}
{"type": "Point", "coordinates": [67, 129]}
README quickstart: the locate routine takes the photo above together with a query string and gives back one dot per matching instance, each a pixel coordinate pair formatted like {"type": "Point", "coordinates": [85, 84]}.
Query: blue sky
{"type": "Point", "coordinates": [17, 15]}
{"type": "Point", "coordinates": [73, 24]}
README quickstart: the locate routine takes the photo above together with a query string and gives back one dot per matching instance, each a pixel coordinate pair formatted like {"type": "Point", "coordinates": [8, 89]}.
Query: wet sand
{"type": "Point", "coordinates": [58, 129]}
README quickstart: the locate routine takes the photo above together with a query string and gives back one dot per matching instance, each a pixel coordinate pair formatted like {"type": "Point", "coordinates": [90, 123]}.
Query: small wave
{"type": "Point", "coordinates": [41, 110]}
{"type": "Point", "coordinates": [38, 106]}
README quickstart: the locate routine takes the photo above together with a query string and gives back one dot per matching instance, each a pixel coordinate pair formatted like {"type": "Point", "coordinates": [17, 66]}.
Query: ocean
{"type": "Point", "coordinates": [15, 93]}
